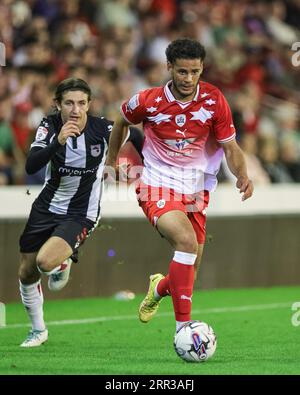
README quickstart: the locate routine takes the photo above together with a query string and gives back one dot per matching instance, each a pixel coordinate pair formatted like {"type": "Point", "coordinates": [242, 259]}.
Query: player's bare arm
{"type": "Point", "coordinates": [117, 136]}
{"type": "Point", "coordinates": [69, 129]}
{"type": "Point", "coordinates": [237, 165]}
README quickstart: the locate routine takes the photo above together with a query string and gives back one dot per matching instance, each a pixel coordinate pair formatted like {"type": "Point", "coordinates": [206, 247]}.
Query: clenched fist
{"type": "Point", "coordinates": [69, 129]}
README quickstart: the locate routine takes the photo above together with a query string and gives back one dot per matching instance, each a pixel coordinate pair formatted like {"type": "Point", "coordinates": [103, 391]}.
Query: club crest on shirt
{"type": "Point", "coordinates": [95, 150]}
{"type": "Point", "coordinates": [180, 119]}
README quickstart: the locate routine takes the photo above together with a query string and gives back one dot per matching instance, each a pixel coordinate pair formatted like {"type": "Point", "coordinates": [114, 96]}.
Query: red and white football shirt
{"type": "Point", "coordinates": [182, 147]}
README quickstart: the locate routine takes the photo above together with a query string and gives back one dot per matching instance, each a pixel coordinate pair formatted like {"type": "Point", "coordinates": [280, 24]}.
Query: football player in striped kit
{"type": "Point", "coordinates": [72, 145]}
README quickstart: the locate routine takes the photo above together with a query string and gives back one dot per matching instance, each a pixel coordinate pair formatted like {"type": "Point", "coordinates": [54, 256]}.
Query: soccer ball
{"type": "Point", "coordinates": [195, 341]}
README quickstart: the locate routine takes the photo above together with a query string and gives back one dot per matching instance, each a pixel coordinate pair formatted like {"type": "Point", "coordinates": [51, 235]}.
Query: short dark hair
{"type": "Point", "coordinates": [185, 48]}
{"type": "Point", "coordinates": [71, 84]}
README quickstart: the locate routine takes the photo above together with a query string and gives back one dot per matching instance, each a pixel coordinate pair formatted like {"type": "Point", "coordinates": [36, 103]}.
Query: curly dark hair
{"type": "Point", "coordinates": [71, 84]}
{"type": "Point", "coordinates": [185, 48]}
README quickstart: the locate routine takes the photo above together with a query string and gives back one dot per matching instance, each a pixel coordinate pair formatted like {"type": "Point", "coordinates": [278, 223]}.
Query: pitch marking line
{"type": "Point", "coordinates": [216, 310]}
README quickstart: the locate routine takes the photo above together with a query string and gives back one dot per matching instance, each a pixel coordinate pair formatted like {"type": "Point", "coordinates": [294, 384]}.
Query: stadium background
{"type": "Point", "coordinates": [118, 47]}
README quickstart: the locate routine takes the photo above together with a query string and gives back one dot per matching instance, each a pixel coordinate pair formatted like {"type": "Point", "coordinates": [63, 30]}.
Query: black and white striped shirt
{"type": "Point", "coordinates": [73, 181]}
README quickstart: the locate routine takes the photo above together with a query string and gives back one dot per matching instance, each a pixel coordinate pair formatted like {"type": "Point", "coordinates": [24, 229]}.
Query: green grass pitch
{"type": "Point", "coordinates": [102, 336]}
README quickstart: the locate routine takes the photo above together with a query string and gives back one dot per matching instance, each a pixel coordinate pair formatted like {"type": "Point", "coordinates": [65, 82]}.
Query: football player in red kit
{"type": "Point", "coordinates": [187, 127]}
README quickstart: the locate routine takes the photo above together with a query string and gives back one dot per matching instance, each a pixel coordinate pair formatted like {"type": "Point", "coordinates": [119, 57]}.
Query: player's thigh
{"type": "Point", "coordinates": [28, 272]}
{"type": "Point", "coordinates": [53, 253]}
{"type": "Point", "coordinates": [177, 229]}
{"type": "Point", "coordinates": [74, 230]}
{"type": "Point", "coordinates": [65, 239]}
{"type": "Point", "coordinates": [37, 231]}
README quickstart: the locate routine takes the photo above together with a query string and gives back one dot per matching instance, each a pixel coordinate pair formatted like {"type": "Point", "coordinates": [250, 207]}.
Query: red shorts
{"type": "Point", "coordinates": [155, 201]}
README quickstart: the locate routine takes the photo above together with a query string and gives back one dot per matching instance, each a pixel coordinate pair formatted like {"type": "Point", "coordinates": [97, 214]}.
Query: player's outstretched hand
{"type": "Point", "coordinates": [69, 129]}
{"type": "Point", "coordinates": [245, 186]}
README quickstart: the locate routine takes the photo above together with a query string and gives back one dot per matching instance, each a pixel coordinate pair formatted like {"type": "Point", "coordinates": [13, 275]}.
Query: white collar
{"type": "Point", "coordinates": [170, 97]}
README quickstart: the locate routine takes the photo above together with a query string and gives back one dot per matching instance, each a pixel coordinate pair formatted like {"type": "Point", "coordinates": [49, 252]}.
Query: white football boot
{"type": "Point", "coordinates": [35, 338]}
{"type": "Point", "coordinates": [60, 278]}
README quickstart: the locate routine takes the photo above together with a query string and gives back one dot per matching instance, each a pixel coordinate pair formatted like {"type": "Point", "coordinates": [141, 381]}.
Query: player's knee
{"type": "Point", "coordinates": [27, 274]}
{"type": "Point", "coordinates": [188, 243]}
{"type": "Point", "coordinates": [43, 264]}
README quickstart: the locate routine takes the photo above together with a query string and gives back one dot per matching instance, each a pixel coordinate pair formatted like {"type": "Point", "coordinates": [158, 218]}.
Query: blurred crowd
{"type": "Point", "coordinates": [118, 47]}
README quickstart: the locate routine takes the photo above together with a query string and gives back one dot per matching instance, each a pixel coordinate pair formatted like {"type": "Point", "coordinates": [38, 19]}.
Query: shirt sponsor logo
{"type": "Point", "coordinates": [173, 154]}
{"type": "Point", "coordinates": [75, 172]}
{"type": "Point", "coordinates": [180, 144]}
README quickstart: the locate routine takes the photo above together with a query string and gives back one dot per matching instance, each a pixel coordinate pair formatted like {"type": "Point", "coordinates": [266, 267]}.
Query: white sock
{"type": "Point", "coordinates": [180, 324]}
{"type": "Point", "coordinates": [33, 300]}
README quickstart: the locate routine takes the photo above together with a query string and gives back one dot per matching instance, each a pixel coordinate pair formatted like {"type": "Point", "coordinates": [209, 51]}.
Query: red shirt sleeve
{"type": "Point", "coordinates": [134, 109]}
{"type": "Point", "coordinates": [224, 129]}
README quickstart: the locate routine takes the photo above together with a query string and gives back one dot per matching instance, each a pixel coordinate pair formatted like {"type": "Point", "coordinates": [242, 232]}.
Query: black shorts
{"type": "Point", "coordinates": [43, 225]}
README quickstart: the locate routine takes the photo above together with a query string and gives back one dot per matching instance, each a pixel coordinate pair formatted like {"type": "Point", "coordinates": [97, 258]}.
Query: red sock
{"type": "Point", "coordinates": [163, 287]}
{"type": "Point", "coordinates": [181, 280]}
